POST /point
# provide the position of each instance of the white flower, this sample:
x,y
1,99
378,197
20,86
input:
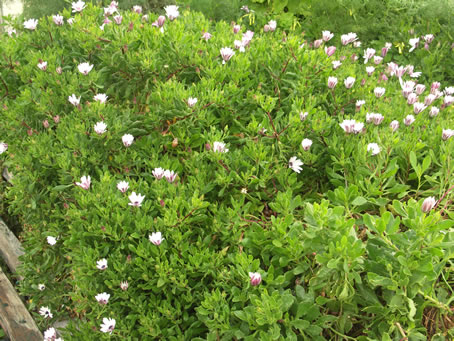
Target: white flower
x,y
192,101
127,139
51,240
332,81
58,19
207,36
50,334
3,147
108,325
170,175
172,12
303,116
348,38
351,126
374,118
368,54
418,107
373,148
100,128
102,98
136,199
219,147
118,19
41,287
101,264
356,44
360,103
123,186
295,164
85,182
137,9
413,43
336,64
306,144
327,35
448,100
158,173
156,238
11,31
449,90
102,298
432,113
78,6
124,285
447,133
70,21
42,66
45,312
226,54
377,60
420,89
349,81
31,24
379,92
429,38
74,100
370,70
85,68
272,24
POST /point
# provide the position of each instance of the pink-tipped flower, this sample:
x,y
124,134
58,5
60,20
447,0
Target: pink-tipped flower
x,y
447,133
408,120
330,50
373,148
428,38
3,147
348,38
272,25
295,164
420,89
102,298
158,173
42,66
70,21
332,82
50,334
370,70
448,100
46,124
102,98
351,126
318,43
433,111
127,139
418,107
192,101
137,9
349,81
377,60
58,19
449,90
306,144
45,312
118,19
100,128
101,264
412,98
124,285
172,12
56,119
123,186
327,35
85,68
170,175
207,36
136,199
236,28
379,92
255,277
107,21
108,325
434,87
374,118
31,24
368,54
226,54
85,182
78,6
385,49
219,147
357,44
156,238
428,204
394,125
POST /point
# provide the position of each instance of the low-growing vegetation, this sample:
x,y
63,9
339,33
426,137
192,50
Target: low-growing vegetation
x,y
178,178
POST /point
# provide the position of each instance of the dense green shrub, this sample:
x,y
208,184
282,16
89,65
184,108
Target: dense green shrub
x,y
343,247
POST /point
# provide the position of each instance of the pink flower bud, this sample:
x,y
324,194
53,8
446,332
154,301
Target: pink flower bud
x,y
318,43
59,70
161,20
266,28
428,204
255,277
236,29
330,50
394,125
46,124
56,119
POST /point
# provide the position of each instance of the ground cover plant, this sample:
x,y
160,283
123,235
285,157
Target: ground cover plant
x,y
179,178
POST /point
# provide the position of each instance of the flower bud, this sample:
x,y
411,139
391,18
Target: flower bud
x,y
428,204
46,124
175,142
255,277
59,70
56,119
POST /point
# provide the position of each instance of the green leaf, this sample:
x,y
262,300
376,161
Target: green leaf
x,y
359,201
